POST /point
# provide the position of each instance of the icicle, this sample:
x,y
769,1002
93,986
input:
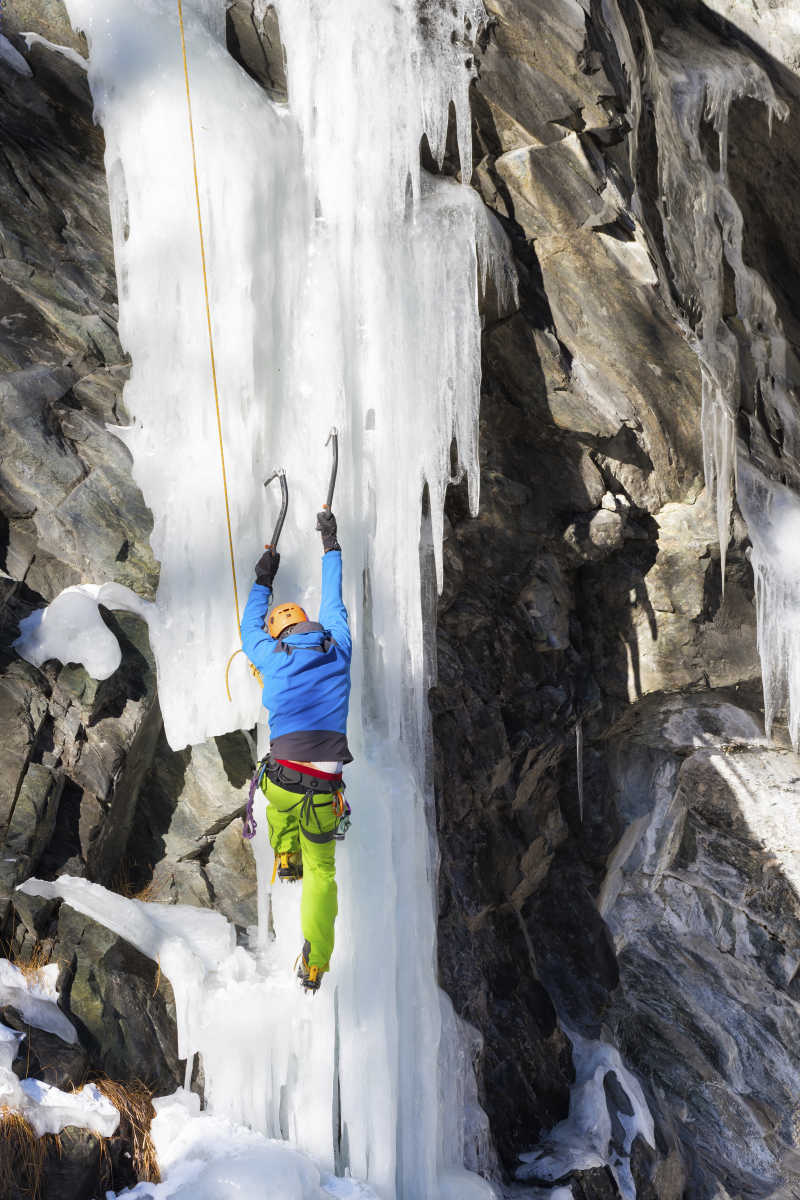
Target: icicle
x,y
703,231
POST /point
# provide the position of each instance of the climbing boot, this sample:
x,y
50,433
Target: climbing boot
x,y
289,866
310,977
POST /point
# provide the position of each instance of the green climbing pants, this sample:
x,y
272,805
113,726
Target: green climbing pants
x,y
287,834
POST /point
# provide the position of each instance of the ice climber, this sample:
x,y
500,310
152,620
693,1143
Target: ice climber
x,y
305,666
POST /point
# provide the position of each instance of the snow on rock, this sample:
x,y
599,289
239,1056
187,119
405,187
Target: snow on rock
x,y
9,1045
35,39
584,1139
49,1110
13,58
35,998
72,630
188,943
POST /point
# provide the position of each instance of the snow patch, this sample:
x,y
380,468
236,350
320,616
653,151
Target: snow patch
x,y
202,1157
72,630
35,998
35,39
49,1110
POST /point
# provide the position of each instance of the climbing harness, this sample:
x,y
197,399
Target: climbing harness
x,y
306,787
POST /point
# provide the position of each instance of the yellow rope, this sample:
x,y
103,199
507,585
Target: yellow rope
x,y
210,338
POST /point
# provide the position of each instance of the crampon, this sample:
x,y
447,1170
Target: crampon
x,y
288,867
310,977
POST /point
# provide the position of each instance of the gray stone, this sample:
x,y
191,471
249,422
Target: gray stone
x,y
546,600
205,805
45,1056
254,40
34,817
701,897
594,538
529,74
34,912
48,18
554,189
231,876
122,1006
22,712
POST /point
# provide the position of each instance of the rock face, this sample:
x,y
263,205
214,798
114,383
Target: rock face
x,y
615,832
618,856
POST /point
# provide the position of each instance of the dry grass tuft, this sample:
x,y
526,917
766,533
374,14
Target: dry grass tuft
x,y
29,964
148,892
134,1104
22,1155
126,881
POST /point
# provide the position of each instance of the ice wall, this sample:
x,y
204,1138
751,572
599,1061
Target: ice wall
x,y
344,289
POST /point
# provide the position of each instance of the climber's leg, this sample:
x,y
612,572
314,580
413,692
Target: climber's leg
x,y
320,898
283,817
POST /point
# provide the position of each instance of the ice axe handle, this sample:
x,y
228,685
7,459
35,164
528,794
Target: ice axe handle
x,y
333,437
276,533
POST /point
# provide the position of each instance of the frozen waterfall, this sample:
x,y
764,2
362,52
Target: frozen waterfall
x,y
329,254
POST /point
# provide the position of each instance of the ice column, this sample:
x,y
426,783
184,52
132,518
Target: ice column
x,y
255,212
344,289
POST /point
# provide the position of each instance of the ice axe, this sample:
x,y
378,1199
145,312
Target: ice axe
x,y
280,474
333,437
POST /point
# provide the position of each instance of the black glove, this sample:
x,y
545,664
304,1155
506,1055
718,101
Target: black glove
x,y
267,567
326,524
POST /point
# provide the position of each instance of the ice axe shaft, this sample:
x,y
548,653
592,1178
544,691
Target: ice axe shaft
x,y
333,437
276,533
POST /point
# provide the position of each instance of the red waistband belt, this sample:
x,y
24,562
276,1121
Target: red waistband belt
x,y
306,770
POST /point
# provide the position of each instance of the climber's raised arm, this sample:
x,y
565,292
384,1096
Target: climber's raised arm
x,y
256,642
332,612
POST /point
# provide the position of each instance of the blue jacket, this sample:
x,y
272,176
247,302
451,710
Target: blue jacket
x,y
307,690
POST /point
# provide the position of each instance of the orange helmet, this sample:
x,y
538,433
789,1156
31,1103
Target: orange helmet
x,y
284,615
